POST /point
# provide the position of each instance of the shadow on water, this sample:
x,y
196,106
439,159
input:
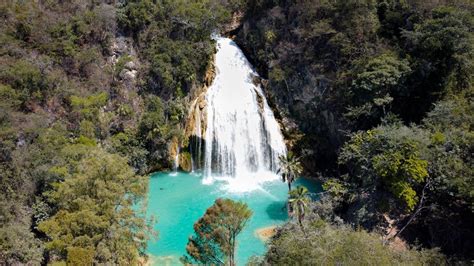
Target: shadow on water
x,y
314,186
277,210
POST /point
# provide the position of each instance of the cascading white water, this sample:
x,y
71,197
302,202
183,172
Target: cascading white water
x,y
176,161
242,138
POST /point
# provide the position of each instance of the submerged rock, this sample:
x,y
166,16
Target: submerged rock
x,y
266,233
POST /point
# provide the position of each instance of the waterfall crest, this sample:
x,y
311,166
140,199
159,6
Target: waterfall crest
x,y
242,139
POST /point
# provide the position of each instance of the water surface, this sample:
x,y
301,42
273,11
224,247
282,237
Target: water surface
x,y
179,199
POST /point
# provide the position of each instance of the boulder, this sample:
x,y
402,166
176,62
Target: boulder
x,y
131,65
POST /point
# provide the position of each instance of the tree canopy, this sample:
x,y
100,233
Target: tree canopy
x,y
215,238
98,218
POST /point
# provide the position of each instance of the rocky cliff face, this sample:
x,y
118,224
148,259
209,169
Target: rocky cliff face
x,y
196,119
298,90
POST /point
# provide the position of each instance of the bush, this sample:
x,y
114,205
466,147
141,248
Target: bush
x,y
326,244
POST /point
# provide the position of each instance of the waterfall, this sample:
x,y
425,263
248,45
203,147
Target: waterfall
x,y
176,160
242,138
198,135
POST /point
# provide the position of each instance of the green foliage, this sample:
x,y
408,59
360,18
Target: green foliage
x,y
87,129
25,78
393,17
335,187
399,169
398,159
452,139
125,111
55,79
18,245
343,66
214,241
97,218
374,86
133,16
333,67
325,244
80,256
120,65
10,98
447,41
175,39
290,168
175,64
83,140
91,101
389,156
93,26
298,203
159,124
88,107
128,145
153,126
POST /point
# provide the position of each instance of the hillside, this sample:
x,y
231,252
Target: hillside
x,y
375,98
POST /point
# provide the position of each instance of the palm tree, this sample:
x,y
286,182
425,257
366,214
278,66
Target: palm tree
x,y
298,203
290,168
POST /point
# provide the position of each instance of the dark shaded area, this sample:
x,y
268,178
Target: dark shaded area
x,y
376,98
277,210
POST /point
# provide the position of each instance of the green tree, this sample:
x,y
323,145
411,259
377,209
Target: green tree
x,y
290,168
445,41
88,107
388,157
133,16
325,244
298,203
214,241
97,218
374,87
451,123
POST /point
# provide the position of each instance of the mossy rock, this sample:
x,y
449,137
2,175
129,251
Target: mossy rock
x,y
185,161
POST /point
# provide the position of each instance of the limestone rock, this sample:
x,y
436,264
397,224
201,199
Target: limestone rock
x,y
185,161
173,148
266,233
128,75
235,22
130,65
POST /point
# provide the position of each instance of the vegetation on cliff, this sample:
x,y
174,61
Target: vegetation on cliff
x,y
91,92
324,244
379,91
382,91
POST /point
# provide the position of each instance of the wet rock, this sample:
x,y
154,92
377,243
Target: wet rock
x,y
173,148
260,102
185,161
235,23
256,80
202,103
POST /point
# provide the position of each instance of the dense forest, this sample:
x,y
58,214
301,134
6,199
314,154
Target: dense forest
x,y
375,98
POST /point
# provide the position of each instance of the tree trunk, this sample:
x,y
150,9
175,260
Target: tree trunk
x,y
290,179
300,221
232,251
300,218
413,216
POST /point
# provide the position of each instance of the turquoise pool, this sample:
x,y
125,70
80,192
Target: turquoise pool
x,y
177,200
